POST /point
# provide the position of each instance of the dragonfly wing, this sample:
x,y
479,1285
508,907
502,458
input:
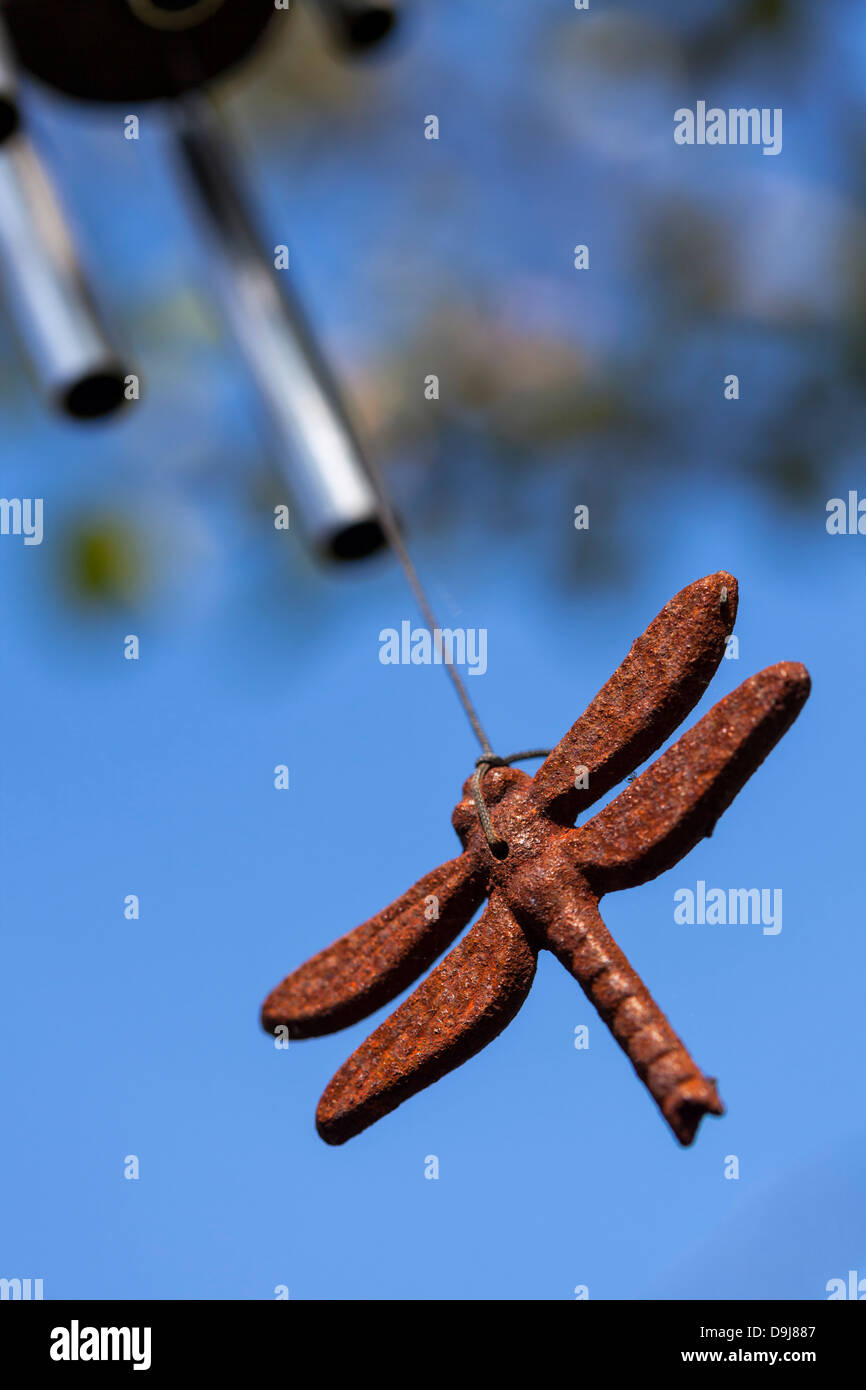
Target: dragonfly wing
x,y
663,814
645,700
379,959
466,1001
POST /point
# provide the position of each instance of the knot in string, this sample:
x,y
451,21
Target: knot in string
x,y
498,847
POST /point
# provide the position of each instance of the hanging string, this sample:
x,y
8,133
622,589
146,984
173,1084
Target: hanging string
x,y
394,537
488,759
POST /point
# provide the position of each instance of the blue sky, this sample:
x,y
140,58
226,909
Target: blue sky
x,y
156,778
141,1037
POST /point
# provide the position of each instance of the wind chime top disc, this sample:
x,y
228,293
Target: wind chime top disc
x,y
132,50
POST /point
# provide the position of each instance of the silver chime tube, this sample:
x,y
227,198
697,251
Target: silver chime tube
x,y
319,454
9,115
46,293
359,24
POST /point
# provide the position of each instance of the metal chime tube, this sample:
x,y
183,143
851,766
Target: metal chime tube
x,y
43,283
359,23
46,293
320,456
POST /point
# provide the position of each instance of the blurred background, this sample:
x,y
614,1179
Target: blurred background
x,y
558,387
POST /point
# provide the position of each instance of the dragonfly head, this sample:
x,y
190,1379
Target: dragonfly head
x,y
497,785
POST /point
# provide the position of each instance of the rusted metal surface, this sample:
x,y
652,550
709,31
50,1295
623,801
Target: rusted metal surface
x,y
459,1008
544,894
378,960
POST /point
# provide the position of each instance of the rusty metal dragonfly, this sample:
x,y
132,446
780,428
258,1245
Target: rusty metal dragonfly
x,y
543,882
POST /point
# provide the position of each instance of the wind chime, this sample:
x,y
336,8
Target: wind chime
x,y
166,52
542,879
